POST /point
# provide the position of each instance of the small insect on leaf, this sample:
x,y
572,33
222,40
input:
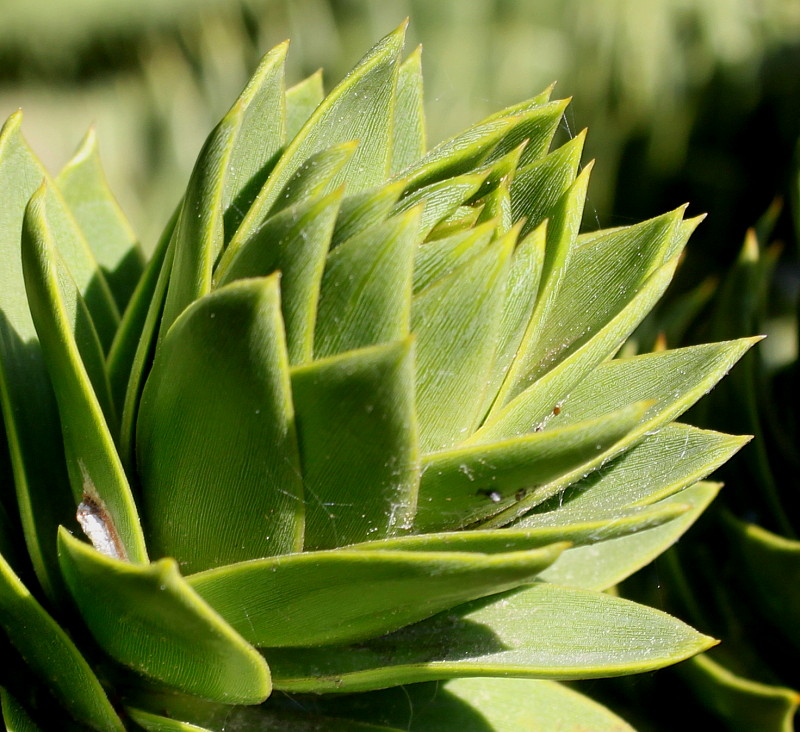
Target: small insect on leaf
x,y
492,495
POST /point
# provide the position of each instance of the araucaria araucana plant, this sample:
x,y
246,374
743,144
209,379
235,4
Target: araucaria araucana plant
x,y
357,424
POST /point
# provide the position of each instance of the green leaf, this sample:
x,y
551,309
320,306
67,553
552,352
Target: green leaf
x,y
542,631
744,705
606,564
295,243
130,334
83,184
216,448
301,101
259,117
312,178
145,352
229,170
438,259
533,407
157,723
15,717
463,485
276,715
674,380
561,234
342,596
462,220
771,566
148,619
521,291
456,322
661,465
488,140
365,295
359,108
479,705
604,274
360,403
408,129
30,412
536,122
51,654
537,187
441,199
363,211
536,530
73,355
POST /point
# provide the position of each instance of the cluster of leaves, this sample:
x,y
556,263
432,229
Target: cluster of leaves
x,y
736,575
362,408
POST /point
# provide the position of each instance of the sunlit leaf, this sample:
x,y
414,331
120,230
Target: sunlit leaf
x,y
542,631
150,620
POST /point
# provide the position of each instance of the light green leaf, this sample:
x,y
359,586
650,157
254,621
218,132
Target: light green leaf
x,y
365,210
437,259
359,108
463,485
661,465
148,619
479,705
294,243
533,407
456,323
604,274
73,356
108,232
216,448
408,129
496,206
674,380
157,723
537,187
521,291
130,334
227,175
358,403
51,655
145,352
301,101
365,295
259,136
606,564
311,179
460,221
15,717
30,412
561,234
489,140
539,529
441,199
542,631
323,598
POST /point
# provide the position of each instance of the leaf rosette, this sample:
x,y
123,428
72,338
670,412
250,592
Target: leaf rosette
x,y
360,424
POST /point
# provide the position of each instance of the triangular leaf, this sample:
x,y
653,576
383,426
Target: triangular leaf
x,y
170,634
357,403
216,449
322,598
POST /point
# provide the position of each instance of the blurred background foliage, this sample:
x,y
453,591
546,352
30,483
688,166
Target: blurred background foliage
x,y
686,100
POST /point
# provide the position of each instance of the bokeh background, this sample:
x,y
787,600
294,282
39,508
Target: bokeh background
x,y
686,101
